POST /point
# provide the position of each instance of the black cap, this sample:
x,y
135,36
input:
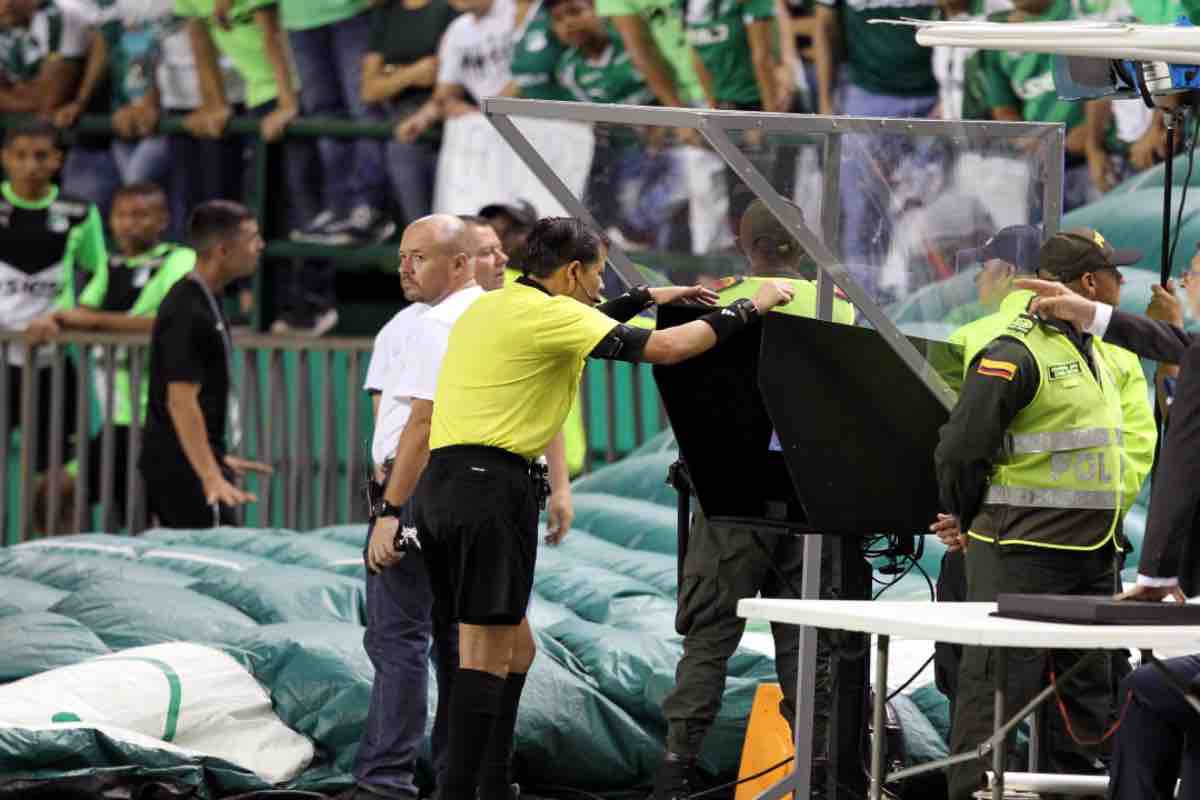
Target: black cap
x,y
1017,244
1068,256
521,211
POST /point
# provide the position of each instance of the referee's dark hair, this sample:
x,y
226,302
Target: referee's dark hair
x,y
555,241
215,221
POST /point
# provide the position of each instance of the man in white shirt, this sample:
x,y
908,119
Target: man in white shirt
x,y
474,62
444,260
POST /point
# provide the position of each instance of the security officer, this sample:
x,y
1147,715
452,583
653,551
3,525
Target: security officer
x,y
774,254
510,373
1010,254
723,565
1030,464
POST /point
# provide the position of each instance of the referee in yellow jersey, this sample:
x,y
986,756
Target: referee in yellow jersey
x,y
510,373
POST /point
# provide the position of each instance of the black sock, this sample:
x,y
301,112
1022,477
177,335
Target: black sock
x,y
496,777
475,703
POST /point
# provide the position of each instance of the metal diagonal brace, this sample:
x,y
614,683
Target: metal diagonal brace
x,y
621,263
999,736
790,217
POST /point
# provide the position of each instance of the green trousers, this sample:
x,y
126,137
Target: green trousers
x,y
1087,695
723,566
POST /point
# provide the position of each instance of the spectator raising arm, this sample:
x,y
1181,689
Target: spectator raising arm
x,y
94,70
759,34
209,120
826,55
287,106
449,101
382,81
789,59
647,58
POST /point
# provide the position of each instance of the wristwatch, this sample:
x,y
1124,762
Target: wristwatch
x,y
385,509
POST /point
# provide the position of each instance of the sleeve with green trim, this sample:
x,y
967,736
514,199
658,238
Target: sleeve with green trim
x,y
997,86
86,250
178,264
93,294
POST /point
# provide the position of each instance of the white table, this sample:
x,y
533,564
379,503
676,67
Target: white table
x,y
956,623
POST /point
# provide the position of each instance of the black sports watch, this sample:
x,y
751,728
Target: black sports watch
x,y
385,509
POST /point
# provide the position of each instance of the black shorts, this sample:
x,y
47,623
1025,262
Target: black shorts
x,y
45,382
477,519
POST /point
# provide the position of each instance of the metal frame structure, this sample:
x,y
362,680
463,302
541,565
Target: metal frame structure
x,y
715,126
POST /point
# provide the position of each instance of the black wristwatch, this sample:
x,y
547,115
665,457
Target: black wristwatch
x,y
385,509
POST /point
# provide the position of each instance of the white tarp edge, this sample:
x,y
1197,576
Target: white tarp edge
x,y
193,697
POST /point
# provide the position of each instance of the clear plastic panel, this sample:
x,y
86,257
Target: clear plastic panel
x,y
901,207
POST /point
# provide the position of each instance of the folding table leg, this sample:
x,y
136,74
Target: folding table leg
x,y
877,716
1000,748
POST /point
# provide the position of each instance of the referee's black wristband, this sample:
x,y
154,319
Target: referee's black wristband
x,y
729,320
628,305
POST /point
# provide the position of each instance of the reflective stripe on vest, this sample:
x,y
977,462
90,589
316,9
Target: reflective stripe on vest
x,y
1052,498
1059,441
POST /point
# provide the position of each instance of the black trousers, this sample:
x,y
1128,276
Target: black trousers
x,y
175,495
1159,737
1087,695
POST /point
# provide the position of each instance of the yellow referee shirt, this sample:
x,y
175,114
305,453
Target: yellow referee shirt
x,y
512,369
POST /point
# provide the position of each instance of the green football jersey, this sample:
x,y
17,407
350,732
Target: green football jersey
x,y
608,78
886,59
535,57
717,31
665,22
137,286
1025,81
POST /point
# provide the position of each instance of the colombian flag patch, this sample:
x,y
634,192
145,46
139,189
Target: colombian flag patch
x,y
997,369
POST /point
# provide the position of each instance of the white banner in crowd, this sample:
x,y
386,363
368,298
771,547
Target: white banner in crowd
x,y
477,167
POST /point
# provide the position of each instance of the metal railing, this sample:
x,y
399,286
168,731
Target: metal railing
x,y
302,411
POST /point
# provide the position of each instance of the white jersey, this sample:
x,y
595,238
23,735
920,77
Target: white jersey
x,y
476,52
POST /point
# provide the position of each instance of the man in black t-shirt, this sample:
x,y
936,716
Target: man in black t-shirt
x,y
398,74
188,472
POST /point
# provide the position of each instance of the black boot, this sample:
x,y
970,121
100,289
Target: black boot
x,y
675,779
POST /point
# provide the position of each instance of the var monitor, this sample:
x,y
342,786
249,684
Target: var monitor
x,y
808,426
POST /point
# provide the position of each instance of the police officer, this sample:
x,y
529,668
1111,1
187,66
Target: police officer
x,y
1158,729
723,565
1030,464
1012,253
511,371
773,254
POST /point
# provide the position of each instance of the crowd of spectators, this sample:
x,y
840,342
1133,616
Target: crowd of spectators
x,y
417,63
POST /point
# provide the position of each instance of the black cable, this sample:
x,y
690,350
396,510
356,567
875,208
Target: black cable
x,y
905,685
722,787
1187,180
